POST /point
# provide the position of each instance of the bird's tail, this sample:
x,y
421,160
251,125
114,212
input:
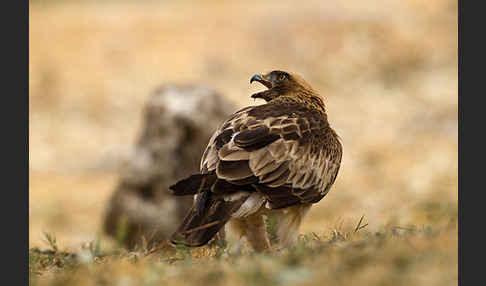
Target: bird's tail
x,y
208,214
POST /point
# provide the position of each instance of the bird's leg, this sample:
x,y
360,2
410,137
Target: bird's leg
x,y
220,238
288,223
256,233
254,229
237,229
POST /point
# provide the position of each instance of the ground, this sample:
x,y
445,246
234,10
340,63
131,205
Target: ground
x,y
389,76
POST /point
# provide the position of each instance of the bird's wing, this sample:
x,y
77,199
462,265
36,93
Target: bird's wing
x,y
287,152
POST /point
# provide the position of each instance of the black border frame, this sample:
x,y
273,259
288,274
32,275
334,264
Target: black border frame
x,y
16,143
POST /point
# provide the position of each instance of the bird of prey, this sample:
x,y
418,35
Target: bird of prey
x,y
276,158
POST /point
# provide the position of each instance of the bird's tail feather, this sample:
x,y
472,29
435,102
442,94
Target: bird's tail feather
x,y
207,215
193,184
204,220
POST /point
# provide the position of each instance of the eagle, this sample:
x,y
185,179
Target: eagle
x,y
277,158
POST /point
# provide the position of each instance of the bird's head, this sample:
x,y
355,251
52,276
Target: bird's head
x,y
287,85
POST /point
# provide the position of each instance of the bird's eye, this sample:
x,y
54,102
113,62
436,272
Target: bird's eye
x,y
281,77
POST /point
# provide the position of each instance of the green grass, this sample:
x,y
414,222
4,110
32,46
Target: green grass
x,y
412,255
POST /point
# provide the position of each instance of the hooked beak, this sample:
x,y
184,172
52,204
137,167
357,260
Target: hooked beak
x,y
261,79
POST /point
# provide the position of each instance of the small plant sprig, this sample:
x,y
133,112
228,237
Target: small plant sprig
x,y
51,241
359,226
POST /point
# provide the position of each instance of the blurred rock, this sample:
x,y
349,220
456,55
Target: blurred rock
x,y
179,120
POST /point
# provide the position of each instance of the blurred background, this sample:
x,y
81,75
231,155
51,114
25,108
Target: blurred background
x,y
388,71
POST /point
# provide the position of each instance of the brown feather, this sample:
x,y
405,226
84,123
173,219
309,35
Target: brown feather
x,y
284,150
270,176
233,170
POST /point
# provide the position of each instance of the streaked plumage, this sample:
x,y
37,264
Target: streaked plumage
x,y
279,157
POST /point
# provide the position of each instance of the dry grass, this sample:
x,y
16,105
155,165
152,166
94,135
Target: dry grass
x,y
388,71
393,256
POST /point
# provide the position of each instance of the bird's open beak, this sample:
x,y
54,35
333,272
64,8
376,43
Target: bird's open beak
x,y
261,79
